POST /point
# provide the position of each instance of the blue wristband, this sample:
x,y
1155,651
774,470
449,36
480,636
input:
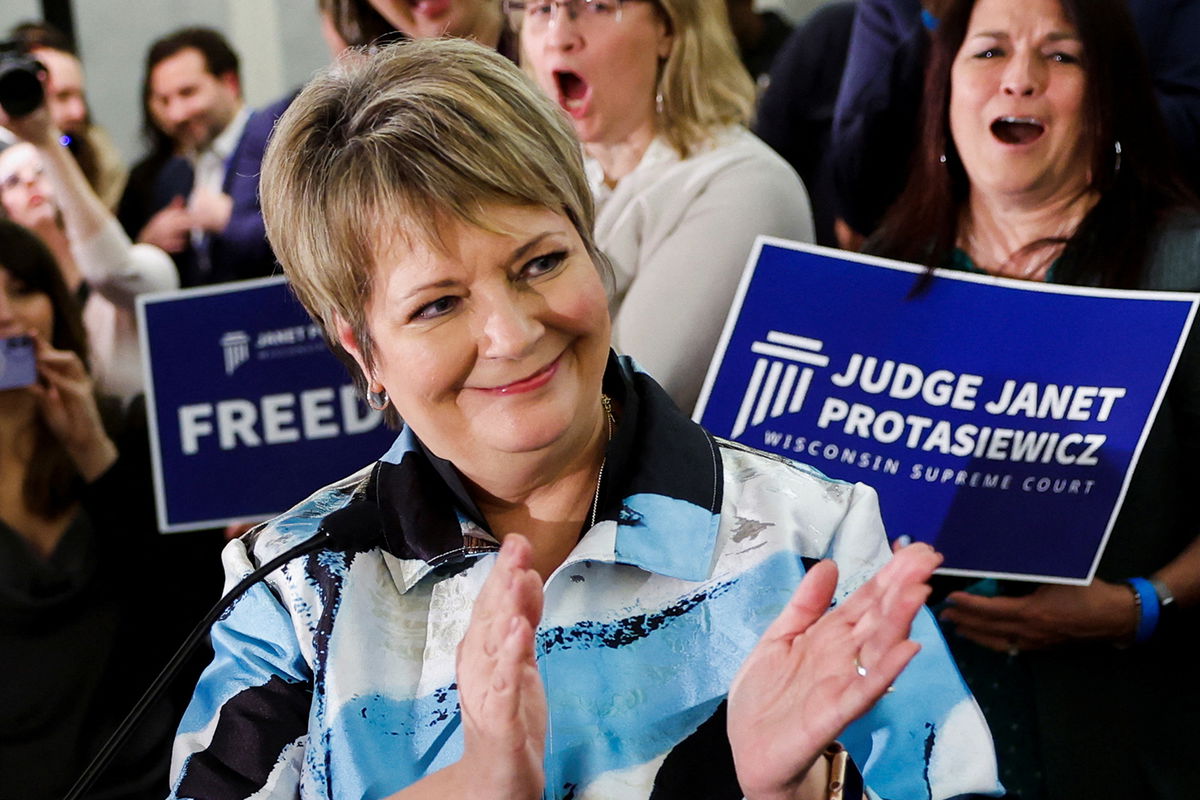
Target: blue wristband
x,y
1148,608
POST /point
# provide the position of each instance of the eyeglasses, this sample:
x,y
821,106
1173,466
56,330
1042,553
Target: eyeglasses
x,y
25,174
537,17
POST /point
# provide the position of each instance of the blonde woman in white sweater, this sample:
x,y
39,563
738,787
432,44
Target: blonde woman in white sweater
x,y
660,100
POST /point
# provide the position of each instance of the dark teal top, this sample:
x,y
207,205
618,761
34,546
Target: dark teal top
x,y
962,262
1091,721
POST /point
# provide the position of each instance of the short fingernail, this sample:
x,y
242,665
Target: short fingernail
x,y
903,540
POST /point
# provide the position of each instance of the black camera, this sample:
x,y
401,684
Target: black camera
x,y
20,81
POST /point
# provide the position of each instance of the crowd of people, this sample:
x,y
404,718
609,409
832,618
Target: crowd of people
x,y
522,225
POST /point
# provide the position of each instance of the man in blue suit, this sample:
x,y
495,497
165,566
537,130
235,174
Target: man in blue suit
x,y
206,206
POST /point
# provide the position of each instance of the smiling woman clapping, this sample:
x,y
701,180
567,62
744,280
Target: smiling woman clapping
x,y
569,589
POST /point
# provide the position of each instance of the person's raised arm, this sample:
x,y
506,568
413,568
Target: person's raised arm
x,y
67,403
110,263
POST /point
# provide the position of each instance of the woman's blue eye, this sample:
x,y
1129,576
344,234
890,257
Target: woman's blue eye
x,y
443,305
543,264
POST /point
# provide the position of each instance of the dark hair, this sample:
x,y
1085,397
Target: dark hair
x,y
52,481
1111,244
32,35
219,57
160,147
358,23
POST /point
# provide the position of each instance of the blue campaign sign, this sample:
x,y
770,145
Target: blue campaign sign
x,y
999,420
249,411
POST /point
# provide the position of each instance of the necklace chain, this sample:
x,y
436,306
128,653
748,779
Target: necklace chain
x,y
606,404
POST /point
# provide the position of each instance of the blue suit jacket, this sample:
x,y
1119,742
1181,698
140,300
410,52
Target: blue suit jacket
x,y
241,251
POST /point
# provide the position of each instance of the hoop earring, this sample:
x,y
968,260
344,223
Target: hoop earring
x,y
378,401
1117,150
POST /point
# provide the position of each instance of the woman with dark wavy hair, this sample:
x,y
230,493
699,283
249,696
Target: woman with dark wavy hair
x,y
1043,157
75,630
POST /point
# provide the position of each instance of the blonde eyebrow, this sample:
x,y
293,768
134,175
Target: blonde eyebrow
x,y
524,249
514,257
444,283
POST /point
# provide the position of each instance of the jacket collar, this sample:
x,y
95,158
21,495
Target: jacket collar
x,y
662,488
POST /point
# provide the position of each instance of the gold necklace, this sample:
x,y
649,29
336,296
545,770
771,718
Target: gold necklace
x,y
606,404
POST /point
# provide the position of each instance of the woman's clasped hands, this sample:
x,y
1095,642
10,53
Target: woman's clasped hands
x,y
809,676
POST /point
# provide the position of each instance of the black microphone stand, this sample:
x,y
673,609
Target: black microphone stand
x,y
323,539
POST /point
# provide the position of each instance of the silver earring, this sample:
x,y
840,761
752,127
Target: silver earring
x,y
1117,150
378,400
942,158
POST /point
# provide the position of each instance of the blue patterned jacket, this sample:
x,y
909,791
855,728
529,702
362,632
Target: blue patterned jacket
x,y
334,678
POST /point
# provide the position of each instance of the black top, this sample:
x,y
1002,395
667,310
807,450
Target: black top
x,y
85,631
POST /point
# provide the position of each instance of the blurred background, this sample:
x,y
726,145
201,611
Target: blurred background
x,y
278,40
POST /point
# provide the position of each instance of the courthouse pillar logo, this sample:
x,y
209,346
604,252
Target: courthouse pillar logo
x,y
777,385
236,345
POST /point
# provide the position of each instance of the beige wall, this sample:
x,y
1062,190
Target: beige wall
x,y
14,11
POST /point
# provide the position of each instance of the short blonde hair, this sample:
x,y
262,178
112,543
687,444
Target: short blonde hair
x,y
704,85
386,146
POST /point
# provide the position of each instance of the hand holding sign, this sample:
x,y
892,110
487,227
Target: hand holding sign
x,y
1051,615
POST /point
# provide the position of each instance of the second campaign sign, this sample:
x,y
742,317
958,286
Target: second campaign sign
x,y
249,410
999,420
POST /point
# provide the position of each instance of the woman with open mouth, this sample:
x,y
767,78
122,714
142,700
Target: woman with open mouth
x,y
1044,158
660,101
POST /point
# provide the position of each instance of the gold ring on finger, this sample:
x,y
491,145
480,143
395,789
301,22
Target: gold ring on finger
x,y
859,668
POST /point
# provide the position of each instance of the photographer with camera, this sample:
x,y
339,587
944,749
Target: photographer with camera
x,y
44,189
35,47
